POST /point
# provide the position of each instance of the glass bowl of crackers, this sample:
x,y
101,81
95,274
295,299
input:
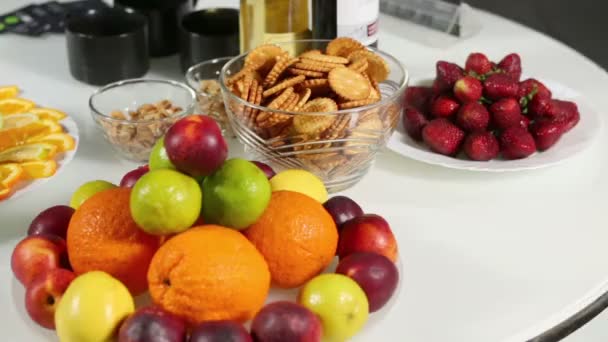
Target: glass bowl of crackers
x,y
133,114
324,106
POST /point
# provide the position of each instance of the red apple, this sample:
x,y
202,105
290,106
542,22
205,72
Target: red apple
x,y
286,321
131,177
375,273
268,171
195,145
52,221
37,254
342,209
219,331
152,324
367,233
44,293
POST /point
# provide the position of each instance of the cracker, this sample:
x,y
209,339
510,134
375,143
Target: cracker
x,y
246,85
357,103
315,124
349,84
343,46
303,98
286,83
329,163
307,73
282,63
291,103
307,64
263,57
276,103
359,65
318,86
378,70
370,128
317,57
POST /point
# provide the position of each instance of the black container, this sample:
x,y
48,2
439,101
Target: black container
x,y
163,22
107,45
208,34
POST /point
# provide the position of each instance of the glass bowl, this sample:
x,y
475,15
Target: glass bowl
x,y
204,79
342,154
133,139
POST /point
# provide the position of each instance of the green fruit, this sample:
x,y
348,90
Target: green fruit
x,y
236,195
159,158
339,302
85,191
165,202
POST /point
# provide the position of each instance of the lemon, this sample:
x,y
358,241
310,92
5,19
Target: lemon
x,y
300,181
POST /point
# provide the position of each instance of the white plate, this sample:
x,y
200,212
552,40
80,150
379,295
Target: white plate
x,y
570,144
62,160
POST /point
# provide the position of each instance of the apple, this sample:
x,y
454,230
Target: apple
x,y
152,324
158,156
339,302
43,294
219,331
195,145
268,171
286,321
52,221
37,254
131,177
342,209
367,233
375,273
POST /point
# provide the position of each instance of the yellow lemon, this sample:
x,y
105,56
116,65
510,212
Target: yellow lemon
x,y
300,181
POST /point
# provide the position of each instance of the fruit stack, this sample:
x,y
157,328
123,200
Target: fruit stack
x,y
485,110
207,238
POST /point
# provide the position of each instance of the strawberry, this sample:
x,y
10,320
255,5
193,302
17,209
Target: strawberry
x,y
473,117
546,133
524,122
442,136
517,143
481,146
447,74
564,112
531,87
511,65
506,113
444,106
539,105
418,97
468,89
413,122
499,86
478,63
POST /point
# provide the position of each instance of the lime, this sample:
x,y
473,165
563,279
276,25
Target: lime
x,y
165,201
236,195
88,189
300,181
159,158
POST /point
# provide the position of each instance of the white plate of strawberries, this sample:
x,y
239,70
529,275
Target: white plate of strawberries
x,y
486,117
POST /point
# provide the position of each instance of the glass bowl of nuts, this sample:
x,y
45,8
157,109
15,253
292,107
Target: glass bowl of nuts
x,y
324,106
204,79
133,114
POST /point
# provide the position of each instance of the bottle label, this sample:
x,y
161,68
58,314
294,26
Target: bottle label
x,y
358,19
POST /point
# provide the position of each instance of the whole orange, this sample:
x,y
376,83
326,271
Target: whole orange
x,y
297,237
209,273
102,236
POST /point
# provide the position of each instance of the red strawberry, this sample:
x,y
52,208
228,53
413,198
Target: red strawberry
x,y
499,86
517,143
418,97
468,89
564,112
447,74
511,65
444,106
546,133
532,86
481,146
524,122
442,136
413,122
478,63
539,105
506,113
472,117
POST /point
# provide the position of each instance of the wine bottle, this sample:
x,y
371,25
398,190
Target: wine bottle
x,y
273,21
357,19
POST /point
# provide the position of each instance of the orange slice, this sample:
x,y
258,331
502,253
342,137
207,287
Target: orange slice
x,y
49,113
39,169
63,141
15,106
5,193
31,152
20,135
10,174
8,92
19,120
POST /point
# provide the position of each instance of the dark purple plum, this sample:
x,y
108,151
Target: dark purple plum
x,y
52,221
152,324
286,321
342,209
131,177
220,331
268,171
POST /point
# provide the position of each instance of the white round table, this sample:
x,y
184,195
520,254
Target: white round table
x,y
486,257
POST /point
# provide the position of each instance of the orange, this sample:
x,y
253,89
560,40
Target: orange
x,y
7,92
297,237
10,174
209,273
20,135
15,106
48,113
102,236
63,141
39,168
5,193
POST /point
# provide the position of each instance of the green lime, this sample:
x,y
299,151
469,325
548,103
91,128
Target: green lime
x,y
236,195
165,201
85,191
159,158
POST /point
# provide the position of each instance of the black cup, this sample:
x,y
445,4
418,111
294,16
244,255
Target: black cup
x,y
107,45
163,21
208,34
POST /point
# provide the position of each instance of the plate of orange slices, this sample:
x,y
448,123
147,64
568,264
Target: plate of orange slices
x,y
35,143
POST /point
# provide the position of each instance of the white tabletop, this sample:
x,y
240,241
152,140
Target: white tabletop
x,y
487,257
